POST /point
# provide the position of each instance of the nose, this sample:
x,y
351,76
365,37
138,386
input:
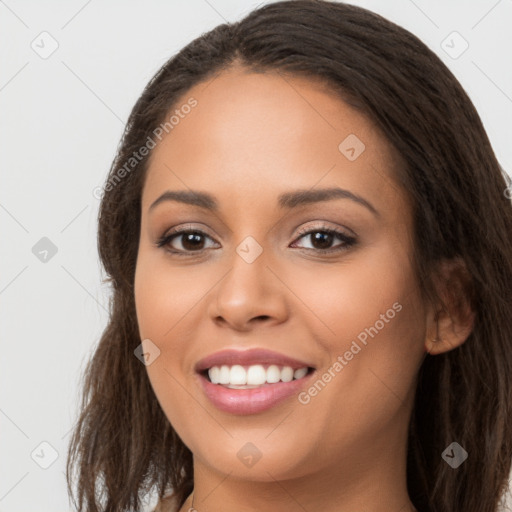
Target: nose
x,y
249,294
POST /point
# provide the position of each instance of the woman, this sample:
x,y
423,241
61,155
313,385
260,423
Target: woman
x,y
308,237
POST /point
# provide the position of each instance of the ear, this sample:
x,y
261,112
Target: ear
x,y
450,322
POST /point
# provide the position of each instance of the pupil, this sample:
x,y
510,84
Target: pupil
x,y
193,240
323,238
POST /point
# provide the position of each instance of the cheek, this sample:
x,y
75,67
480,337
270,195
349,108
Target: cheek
x,y
374,320
379,324
164,297
349,297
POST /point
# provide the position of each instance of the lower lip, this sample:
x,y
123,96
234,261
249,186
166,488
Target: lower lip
x,y
251,401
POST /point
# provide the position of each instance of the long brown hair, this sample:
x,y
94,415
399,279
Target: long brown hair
x,y
123,444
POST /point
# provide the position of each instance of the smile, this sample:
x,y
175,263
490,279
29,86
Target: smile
x,y
251,381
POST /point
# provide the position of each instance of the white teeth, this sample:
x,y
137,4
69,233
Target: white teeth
x,y
214,374
273,374
301,372
224,374
255,375
287,374
237,375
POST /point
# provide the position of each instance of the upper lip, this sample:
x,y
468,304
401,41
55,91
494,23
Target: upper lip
x,y
248,357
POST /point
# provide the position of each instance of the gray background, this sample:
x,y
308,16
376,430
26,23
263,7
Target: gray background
x,y
62,117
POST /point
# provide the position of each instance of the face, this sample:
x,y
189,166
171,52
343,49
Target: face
x,y
296,265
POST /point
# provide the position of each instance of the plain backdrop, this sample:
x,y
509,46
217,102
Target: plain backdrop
x,y
70,74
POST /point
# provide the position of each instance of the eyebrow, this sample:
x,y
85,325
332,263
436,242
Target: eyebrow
x,y
287,200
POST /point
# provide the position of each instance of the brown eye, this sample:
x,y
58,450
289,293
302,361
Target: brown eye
x,y
322,239
184,241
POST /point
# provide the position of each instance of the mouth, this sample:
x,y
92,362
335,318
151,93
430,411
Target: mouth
x,y
251,381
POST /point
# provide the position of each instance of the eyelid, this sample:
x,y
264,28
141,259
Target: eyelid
x,y
188,227
324,225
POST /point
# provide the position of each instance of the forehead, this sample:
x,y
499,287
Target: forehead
x,y
253,133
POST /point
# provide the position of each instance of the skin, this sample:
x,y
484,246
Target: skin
x,y
250,138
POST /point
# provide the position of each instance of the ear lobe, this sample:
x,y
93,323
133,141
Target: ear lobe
x,y
455,316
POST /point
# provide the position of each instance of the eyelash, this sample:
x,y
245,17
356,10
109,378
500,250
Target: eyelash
x,y
348,241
